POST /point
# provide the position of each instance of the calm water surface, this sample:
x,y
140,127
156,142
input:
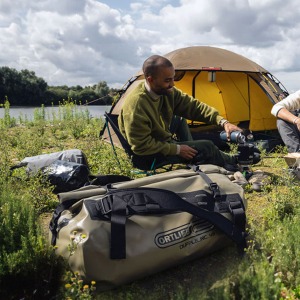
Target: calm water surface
x,y
28,112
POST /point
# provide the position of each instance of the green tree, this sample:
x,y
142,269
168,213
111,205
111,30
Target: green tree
x,y
25,88
21,88
103,92
87,95
56,94
9,84
33,88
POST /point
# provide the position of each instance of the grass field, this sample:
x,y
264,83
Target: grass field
x,y
30,269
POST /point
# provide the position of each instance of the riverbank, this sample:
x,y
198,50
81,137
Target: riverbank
x,y
22,113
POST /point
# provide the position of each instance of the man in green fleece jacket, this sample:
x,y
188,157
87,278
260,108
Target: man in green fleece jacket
x,y
147,113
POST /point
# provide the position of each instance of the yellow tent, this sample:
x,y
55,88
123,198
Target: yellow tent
x,y
242,91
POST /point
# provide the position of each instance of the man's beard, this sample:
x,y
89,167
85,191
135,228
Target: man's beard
x,y
165,92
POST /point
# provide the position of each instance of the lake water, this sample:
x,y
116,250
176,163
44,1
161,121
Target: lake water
x,y
28,112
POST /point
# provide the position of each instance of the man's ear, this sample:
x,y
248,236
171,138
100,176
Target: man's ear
x,y
149,79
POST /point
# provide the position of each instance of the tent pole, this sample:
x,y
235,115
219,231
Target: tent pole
x,y
194,88
248,83
194,84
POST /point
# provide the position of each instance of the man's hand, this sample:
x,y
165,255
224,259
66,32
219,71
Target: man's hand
x,y
228,127
296,121
187,152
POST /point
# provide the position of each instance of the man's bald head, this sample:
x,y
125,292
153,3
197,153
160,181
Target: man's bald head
x,y
152,65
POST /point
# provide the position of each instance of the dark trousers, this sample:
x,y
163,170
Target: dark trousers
x,y
208,153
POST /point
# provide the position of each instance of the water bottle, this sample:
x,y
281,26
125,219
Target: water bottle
x,y
235,137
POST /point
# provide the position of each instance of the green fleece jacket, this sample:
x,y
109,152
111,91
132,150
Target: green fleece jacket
x,y
145,122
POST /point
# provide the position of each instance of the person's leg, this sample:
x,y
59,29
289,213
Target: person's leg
x,y
208,153
290,135
180,128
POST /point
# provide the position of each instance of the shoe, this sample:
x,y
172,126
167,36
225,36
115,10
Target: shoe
x,y
259,179
240,179
257,186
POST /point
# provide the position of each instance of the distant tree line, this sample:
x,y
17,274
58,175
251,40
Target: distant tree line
x,y
24,88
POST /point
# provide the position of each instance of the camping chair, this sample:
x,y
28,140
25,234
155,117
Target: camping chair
x,y
111,122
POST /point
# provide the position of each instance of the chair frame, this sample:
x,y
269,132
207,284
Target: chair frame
x,y
127,148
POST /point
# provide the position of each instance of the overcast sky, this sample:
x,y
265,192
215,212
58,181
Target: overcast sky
x,y
82,42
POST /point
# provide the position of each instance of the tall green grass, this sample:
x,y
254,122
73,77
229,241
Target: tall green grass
x,y
28,266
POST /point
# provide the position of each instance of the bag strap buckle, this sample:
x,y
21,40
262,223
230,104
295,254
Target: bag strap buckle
x,y
105,205
215,189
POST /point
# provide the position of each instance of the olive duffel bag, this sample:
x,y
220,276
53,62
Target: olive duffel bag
x,y
124,231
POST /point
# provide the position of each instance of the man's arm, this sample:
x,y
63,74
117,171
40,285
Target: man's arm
x,y
285,115
196,110
290,103
283,109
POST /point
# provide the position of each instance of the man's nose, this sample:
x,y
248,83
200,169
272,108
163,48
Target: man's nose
x,y
171,84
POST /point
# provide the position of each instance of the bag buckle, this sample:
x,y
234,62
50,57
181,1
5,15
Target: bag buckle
x,y
215,189
105,205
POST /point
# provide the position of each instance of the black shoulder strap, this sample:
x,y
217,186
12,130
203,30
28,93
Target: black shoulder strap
x,y
121,203
236,206
213,186
56,215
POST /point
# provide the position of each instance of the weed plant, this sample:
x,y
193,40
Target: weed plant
x,y
27,263
29,269
7,121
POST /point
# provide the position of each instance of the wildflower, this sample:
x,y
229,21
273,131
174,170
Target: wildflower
x,y
85,287
284,293
277,280
67,285
93,282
